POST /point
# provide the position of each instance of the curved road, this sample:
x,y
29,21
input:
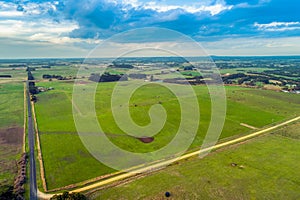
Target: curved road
x,y
31,142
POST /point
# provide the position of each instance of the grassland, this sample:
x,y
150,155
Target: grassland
x,y
263,168
55,70
17,74
243,70
74,164
11,131
11,107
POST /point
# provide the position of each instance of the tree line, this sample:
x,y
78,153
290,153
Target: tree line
x,y
107,77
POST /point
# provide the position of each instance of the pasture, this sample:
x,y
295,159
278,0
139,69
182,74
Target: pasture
x,y
67,161
262,168
17,74
11,132
12,104
65,71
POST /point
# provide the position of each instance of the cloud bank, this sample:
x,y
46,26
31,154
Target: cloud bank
x,y
85,23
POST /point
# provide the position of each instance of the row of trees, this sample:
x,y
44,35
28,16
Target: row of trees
x,y
107,77
241,78
47,76
32,88
121,65
29,75
5,76
69,196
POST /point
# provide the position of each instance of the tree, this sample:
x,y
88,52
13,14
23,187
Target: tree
x,y
151,78
107,77
32,88
68,196
30,76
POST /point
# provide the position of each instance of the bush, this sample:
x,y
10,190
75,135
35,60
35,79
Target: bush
x,y
68,196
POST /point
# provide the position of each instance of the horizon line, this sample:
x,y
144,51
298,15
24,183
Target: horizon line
x,y
40,58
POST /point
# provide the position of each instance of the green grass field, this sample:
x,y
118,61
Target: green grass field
x,y
266,168
12,104
66,160
243,70
17,74
64,71
74,164
11,131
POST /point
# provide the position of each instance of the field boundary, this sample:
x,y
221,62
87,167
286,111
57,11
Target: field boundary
x,y
25,120
156,166
40,157
85,183
248,126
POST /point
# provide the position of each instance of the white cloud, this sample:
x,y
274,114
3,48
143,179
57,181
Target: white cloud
x,y
31,22
11,14
39,30
216,9
18,27
32,49
132,3
278,26
212,9
16,10
9,10
6,5
171,48
61,40
254,46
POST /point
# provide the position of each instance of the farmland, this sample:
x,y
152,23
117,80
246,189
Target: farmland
x,y
263,168
143,99
17,75
57,129
11,104
67,162
11,132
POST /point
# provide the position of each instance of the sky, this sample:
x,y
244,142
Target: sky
x,y
72,28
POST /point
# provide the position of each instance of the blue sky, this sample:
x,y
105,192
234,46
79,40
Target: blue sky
x,y
71,28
